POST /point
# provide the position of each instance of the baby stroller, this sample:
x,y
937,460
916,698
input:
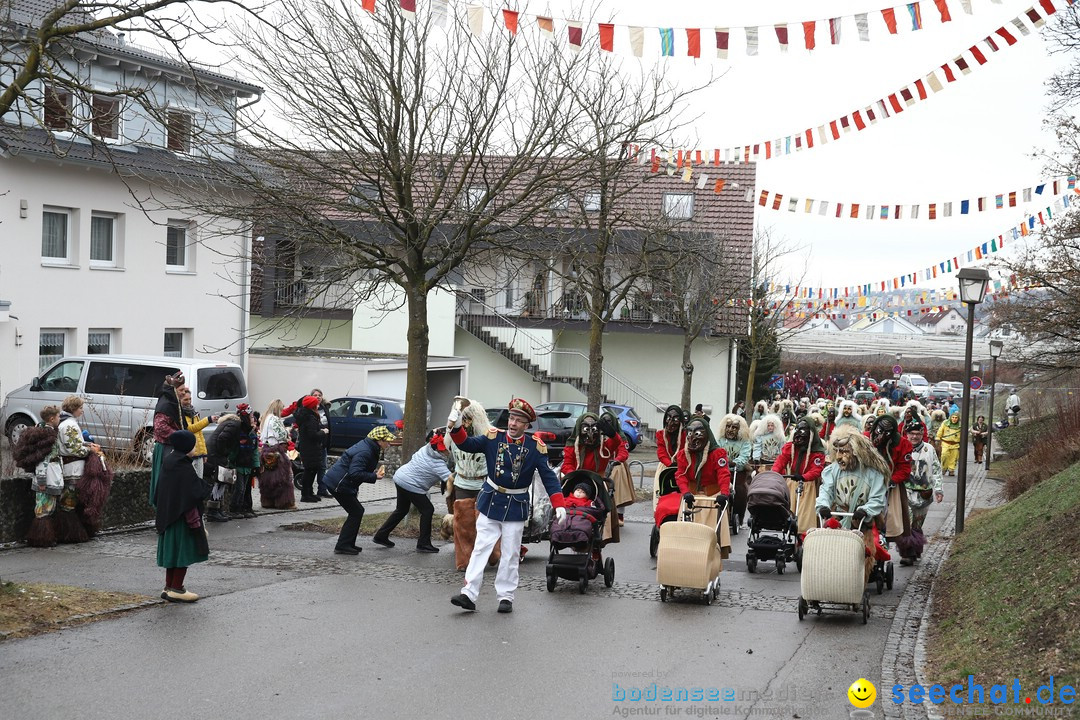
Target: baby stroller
x,y
835,561
665,485
774,531
689,555
576,543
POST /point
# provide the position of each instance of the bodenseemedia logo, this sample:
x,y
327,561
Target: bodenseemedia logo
x,y
973,693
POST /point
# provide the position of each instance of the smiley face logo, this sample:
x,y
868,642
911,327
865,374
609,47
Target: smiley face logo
x,y
862,693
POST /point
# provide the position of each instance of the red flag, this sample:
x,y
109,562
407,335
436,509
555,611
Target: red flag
x,y
890,19
368,5
857,117
768,150
776,201
921,88
948,72
697,157
1048,6
933,211
834,30
1006,35
855,210
809,138
607,36
944,10
762,200
510,19
722,40
839,209
655,162
716,157
895,102
990,41
781,35
693,42
719,186
835,130
977,54
573,34
409,6
808,33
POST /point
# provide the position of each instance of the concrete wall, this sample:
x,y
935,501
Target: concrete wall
x,y
128,504
382,325
137,299
494,380
303,332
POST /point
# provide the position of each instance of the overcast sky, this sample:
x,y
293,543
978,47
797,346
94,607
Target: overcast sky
x,y
974,138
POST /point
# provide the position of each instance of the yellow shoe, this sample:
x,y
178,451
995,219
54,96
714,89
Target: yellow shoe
x,y
181,595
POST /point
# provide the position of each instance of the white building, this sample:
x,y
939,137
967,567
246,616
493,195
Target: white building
x,y
84,268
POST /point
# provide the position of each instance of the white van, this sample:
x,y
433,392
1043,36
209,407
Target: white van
x,y
120,392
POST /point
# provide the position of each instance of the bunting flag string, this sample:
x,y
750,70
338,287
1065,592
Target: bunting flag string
x,y
688,39
908,281
883,108
917,211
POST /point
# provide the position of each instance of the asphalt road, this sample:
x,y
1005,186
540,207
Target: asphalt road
x,y
287,629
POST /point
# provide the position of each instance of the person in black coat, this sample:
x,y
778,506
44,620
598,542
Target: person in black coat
x,y
356,466
310,445
178,501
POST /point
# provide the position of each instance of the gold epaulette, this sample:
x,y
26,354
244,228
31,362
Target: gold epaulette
x,y
492,433
540,446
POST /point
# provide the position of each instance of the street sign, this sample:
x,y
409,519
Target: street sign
x,y
896,371
976,382
776,382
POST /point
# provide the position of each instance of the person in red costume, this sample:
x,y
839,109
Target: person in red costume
x,y
594,445
896,450
671,438
803,459
702,469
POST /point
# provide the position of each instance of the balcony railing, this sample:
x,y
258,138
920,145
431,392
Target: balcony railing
x,y
300,293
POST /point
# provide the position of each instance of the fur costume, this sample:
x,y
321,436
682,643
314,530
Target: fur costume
x,y
766,445
35,444
460,523
276,488
864,451
93,488
855,420
761,409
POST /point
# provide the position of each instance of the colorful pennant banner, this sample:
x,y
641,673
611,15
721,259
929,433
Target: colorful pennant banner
x,y
688,41
945,267
858,120
896,211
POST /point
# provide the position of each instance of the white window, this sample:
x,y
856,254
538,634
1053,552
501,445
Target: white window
x,y
474,195
55,229
105,117
561,202
174,343
177,251
51,344
364,194
679,206
103,240
592,201
57,109
178,131
99,342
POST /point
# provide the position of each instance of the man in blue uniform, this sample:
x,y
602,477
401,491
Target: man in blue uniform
x,y
512,459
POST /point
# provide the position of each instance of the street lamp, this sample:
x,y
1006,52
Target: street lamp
x,y
995,352
973,282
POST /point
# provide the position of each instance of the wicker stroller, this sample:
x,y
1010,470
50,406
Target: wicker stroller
x,y
689,553
834,564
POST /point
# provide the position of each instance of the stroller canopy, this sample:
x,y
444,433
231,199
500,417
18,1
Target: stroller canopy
x,y
768,489
601,496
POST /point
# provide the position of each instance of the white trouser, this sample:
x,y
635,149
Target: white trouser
x,y
487,534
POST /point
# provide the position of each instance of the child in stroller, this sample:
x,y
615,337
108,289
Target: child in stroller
x,y
774,531
576,542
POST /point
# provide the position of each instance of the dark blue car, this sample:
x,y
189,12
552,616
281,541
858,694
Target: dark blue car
x,y
352,418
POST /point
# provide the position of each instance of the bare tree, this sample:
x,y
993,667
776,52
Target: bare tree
x,y
699,293
614,240
769,308
1046,313
44,40
410,147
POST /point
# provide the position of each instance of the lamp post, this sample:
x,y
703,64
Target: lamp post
x,y
973,283
995,352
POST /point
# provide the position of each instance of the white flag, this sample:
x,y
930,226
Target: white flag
x,y
637,41
476,18
438,12
751,40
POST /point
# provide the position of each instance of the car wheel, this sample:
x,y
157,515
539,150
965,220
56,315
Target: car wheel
x,y
144,446
15,428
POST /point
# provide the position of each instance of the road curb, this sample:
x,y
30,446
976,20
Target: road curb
x,y
904,657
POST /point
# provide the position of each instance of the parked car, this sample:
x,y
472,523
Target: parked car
x,y
914,384
956,389
628,419
120,392
353,417
938,394
863,397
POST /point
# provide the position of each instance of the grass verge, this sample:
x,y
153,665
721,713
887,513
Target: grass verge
x,y
1006,601
36,608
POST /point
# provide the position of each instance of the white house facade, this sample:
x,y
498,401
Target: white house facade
x,y
85,268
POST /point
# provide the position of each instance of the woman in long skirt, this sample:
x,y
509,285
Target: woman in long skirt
x,y
179,501
276,478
